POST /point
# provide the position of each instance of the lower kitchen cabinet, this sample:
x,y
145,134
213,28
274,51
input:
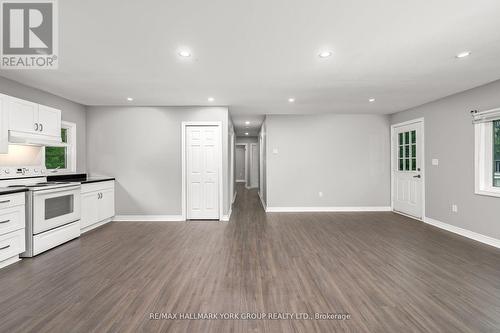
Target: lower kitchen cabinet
x,y
12,227
98,204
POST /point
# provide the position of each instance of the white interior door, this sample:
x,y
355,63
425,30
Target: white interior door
x,y
240,163
254,165
407,169
202,170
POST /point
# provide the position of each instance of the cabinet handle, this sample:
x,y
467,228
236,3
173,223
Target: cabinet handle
x,y
36,126
6,221
5,201
5,247
41,127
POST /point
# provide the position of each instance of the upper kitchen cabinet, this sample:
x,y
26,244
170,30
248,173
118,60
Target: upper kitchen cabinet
x,y
23,115
33,121
4,128
49,119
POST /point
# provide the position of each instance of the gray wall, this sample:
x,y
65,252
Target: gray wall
x,y
449,137
347,157
141,147
71,111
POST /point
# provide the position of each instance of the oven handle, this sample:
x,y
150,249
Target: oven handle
x,y
5,247
57,190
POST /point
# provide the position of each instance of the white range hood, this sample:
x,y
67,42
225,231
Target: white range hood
x,y
21,138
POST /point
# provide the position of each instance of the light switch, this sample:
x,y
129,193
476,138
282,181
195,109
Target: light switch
x,y
435,161
275,151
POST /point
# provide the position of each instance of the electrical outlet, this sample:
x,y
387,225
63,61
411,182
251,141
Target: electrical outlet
x,y
435,161
275,151
320,194
454,208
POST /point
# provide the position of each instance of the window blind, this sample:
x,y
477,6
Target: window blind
x,y
485,116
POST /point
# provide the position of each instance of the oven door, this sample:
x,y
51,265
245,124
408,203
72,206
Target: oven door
x,y
55,207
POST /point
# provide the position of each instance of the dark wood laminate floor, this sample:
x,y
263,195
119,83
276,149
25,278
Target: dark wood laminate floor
x,y
390,273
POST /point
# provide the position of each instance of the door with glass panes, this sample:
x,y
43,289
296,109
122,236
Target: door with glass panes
x,y
407,192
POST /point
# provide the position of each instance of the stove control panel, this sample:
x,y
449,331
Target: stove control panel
x,y
20,172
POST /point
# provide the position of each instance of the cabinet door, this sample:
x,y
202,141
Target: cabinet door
x,y
107,204
23,115
90,209
49,120
4,126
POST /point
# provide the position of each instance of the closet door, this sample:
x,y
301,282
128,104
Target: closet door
x,y
202,170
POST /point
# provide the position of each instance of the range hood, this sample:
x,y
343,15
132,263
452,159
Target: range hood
x,y
20,138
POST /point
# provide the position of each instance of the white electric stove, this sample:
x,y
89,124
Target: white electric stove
x,y
52,208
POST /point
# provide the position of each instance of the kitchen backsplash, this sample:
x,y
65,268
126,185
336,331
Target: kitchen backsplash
x,y
20,155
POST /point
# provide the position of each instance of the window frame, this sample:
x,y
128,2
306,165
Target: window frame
x,y
484,160
70,149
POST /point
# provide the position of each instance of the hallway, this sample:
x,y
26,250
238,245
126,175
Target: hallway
x,y
389,273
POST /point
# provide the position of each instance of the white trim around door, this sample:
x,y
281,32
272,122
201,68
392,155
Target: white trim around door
x,y
422,164
184,125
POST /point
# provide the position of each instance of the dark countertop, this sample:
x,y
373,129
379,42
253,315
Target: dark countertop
x,y
79,178
11,190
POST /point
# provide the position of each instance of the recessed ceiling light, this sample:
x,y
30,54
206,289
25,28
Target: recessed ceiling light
x,y
291,100
247,122
185,53
211,99
130,99
324,54
246,133
371,100
463,54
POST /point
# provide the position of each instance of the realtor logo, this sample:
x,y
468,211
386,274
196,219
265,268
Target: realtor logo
x,y
29,34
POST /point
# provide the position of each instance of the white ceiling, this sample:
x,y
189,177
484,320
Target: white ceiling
x,y
241,127
254,55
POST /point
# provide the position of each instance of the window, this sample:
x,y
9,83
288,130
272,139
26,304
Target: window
x,y
63,158
487,154
407,142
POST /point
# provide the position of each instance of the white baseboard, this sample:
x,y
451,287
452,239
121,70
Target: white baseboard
x,y
148,218
241,181
464,232
327,209
93,226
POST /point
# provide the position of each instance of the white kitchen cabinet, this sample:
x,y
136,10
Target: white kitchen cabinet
x,y
23,115
49,120
4,127
98,204
31,118
106,204
90,208
12,228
